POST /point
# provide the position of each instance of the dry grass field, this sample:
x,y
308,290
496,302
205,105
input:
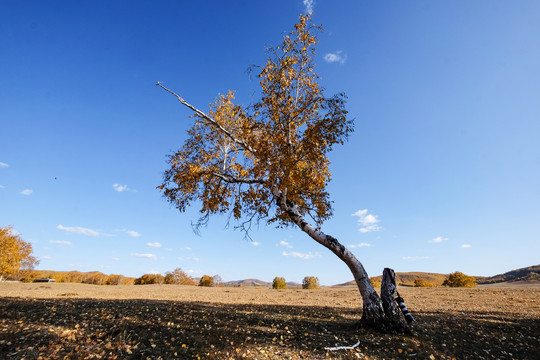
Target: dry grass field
x,y
77,321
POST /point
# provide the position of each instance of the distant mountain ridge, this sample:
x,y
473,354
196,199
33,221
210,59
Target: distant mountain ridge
x,y
531,273
528,274
257,282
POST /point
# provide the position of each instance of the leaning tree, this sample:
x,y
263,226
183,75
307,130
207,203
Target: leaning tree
x,y
268,161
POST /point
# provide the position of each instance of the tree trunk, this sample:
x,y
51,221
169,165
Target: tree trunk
x,y
388,297
373,314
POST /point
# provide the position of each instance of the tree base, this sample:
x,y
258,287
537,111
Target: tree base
x,y
384,325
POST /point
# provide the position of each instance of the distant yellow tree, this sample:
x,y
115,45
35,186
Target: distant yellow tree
x,y
179,277
423,283
279,283
376,282
207,281
310,282
15,253
459,279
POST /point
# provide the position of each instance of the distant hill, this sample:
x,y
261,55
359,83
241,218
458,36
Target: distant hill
x,y
257,282
531,273
248,282
528,274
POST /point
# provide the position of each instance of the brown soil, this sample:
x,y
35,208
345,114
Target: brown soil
x,y
76,321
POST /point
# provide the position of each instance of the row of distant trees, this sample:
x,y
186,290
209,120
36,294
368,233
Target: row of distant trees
x,y
309,282
455,279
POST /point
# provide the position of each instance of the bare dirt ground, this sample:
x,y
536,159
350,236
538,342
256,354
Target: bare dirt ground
x,y
77,321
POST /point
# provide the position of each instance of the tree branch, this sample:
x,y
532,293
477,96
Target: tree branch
x,y
234,180
210,120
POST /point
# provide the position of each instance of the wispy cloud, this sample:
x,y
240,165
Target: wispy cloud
x,y
286,244
308,4
361,245
122,188
2,186
26,192
367,222
196,259
46,257
115,259
154,244
147,256
187,248
466,246
60,242
414,258
78,230
3,165
304,256
337,57
255,243
438,239
129,232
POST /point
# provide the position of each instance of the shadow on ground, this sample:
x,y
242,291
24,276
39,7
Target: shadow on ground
x,y
146,329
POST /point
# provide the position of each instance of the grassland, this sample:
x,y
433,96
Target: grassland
x,y
77,321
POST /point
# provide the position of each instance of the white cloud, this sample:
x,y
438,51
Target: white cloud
x,y
413,258
60,242
353,246
3,165
79,230
338,57
304,256
154,244
286,244
309,6
115,259
196,259
148,256
466,246
255,243
367,222
438,239
187,248
2,186
133,233
46,257
26,192
122,188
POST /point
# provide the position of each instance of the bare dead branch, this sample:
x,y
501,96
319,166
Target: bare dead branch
x,y
210,120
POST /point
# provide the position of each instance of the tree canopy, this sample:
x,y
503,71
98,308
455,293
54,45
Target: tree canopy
x,y
15,253
252,160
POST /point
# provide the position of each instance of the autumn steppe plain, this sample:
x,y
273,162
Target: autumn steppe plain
x,y
78,321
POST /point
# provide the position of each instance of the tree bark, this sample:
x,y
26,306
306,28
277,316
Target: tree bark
x,y
388,297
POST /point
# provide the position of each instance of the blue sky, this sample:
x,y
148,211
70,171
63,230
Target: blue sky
x,y
440,175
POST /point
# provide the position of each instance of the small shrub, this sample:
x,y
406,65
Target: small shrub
x,y
423,283
207,281
148,279
310,282
179,277
376,283
279,283
459,279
